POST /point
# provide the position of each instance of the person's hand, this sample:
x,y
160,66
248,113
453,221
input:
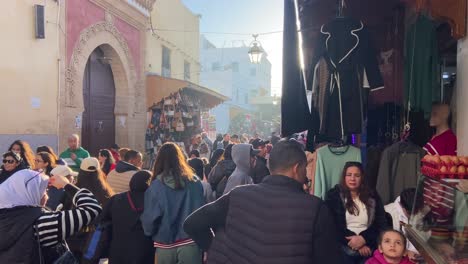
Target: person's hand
x,y
463,186
73,156
58,182
356,242
365,251
413,256
205,257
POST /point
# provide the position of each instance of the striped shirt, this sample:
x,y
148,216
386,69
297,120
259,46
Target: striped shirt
x,y
54,227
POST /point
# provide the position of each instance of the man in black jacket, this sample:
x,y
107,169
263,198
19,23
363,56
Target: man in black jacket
x,y
261,170
284,225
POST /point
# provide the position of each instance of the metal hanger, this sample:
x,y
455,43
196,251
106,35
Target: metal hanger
x,y
341,6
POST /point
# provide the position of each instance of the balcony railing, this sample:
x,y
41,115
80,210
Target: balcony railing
x,y
144,6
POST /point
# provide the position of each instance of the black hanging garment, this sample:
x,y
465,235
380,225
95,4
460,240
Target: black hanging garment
x,y
295,113
352,64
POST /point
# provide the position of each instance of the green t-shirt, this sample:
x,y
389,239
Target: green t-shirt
x,y
330,167
80,153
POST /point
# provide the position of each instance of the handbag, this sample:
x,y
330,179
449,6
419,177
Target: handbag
x,y
180,126
58,254
98,243
168,101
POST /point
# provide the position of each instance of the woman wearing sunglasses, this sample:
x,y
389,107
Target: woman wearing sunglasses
x,y
11,164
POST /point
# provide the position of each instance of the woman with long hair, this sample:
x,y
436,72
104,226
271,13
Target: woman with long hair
x,y
173,195
23,149
220,173
128,244
11,164
106,160
92,178
359,214
48,149
44,162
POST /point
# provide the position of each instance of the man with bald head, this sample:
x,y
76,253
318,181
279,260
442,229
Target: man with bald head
x,y
74,154
444,142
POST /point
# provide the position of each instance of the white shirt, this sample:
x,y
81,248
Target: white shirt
x,y
357,223
398,215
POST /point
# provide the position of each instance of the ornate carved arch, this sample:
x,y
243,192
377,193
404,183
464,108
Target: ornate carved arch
x,y
123,67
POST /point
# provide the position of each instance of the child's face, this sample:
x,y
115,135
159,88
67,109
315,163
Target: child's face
x,y
392,245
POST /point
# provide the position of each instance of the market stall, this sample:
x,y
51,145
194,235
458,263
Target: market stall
x,y
176,109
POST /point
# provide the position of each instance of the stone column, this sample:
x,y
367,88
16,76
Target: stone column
x,y
462,97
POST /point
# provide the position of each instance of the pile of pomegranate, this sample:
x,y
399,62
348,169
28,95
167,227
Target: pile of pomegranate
x,y
445,167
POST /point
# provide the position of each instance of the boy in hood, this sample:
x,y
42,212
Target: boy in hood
x,y
244,156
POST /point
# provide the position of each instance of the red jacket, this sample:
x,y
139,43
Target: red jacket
x,y
378,258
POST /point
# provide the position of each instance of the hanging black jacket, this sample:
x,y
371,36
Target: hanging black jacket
x,y
284,225
376,214
129,245
345,45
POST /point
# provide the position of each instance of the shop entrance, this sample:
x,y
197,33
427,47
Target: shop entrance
x,y
98,124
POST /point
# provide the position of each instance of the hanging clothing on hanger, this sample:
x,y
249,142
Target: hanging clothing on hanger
x,y
352,63
399,169
422,70
330,164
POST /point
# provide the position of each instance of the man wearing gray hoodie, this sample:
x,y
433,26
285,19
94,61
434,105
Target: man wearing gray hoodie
x,y
244,156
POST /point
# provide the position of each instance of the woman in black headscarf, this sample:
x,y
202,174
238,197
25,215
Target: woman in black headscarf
x,y
129,245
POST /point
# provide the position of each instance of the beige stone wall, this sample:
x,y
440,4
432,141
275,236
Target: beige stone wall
x,y
173,15
29,69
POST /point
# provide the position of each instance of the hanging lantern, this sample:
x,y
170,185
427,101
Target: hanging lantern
x,y
255,51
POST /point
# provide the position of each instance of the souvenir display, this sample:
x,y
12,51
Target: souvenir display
x,y
175,118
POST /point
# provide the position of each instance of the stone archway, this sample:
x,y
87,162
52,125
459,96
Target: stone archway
x,y
128,87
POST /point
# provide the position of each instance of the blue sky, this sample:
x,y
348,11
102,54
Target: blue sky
x,y
244,16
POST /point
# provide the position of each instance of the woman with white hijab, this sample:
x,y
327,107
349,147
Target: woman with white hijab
x,y
29,232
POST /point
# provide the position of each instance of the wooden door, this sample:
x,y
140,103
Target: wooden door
x,y
98,124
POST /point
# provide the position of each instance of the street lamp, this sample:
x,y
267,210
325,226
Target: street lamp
x,y
255,51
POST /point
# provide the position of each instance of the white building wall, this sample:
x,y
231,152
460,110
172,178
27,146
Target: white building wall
x,y
230,71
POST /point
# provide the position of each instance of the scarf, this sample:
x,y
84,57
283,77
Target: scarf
x,y
24,188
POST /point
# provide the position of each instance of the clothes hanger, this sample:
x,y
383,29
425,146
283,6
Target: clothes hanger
x,y
341,6
339,147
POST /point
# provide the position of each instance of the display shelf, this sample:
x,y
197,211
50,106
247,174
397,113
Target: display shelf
x,y
439,221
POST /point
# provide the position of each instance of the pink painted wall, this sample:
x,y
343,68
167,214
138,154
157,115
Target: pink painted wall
x,y
82,14
132,36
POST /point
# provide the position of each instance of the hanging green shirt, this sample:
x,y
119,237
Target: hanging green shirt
x,y
422,68
330,164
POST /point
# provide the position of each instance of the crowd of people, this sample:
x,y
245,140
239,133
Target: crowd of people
x,y
232,200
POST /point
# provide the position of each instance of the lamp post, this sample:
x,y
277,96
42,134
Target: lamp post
x,y
255,51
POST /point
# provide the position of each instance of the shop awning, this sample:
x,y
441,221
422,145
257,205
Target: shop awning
x,y
158,87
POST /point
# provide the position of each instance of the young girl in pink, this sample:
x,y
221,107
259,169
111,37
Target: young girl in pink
x,y
392,249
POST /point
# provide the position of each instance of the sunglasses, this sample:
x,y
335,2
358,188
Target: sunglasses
x,y
8,161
